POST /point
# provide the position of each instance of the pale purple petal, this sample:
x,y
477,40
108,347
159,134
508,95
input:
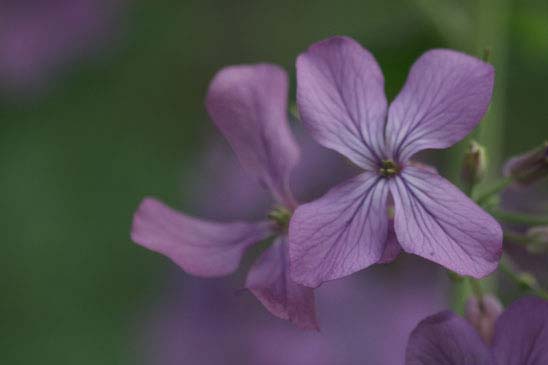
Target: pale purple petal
x,y
343,232
340,95
269,281
273,345
521,333
445,96
435,220
392,248
249,105
446,339
366,319
421,165
199,247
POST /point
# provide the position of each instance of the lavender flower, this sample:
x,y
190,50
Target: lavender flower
x,y
365,316
249,105
36,37
521,338
342,103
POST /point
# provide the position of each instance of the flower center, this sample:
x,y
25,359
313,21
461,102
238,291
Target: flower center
x,y
280,216
389,168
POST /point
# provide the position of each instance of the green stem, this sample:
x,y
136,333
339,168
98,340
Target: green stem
x,y
522,279
519,218
495,189
492,25
518,238
469,189
476,289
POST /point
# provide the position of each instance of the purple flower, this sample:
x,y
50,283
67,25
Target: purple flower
x,y
36,37
249,105
521,338
365,316
340,94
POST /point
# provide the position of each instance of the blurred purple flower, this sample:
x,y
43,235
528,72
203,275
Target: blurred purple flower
x,y
249,105
521,337
36,37
342,103
367,316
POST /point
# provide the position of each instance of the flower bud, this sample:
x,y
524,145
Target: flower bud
x,y
483,314
537,239
474,164
528,167
526,281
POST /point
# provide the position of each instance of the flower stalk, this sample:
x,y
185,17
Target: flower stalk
x,y
524,280
518,218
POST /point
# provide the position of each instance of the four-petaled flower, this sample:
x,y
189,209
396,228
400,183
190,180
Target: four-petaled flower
x,y
520,338
340,95
249,105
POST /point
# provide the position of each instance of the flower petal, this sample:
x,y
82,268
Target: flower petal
x,y
445,96
392,248
268,279
249,105
340,94
199,247
343,232
437,221
446,339
521,333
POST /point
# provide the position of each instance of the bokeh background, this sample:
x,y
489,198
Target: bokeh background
x,y
101,103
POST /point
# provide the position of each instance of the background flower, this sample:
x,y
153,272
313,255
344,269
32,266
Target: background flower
x,y
367,316
38,38
521,337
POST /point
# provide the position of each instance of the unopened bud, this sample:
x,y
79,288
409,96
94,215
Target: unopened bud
x,y
482,314
526,281
537,239
474,165
528,167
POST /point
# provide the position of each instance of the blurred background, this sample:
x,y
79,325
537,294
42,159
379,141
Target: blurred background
x,y
101,104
